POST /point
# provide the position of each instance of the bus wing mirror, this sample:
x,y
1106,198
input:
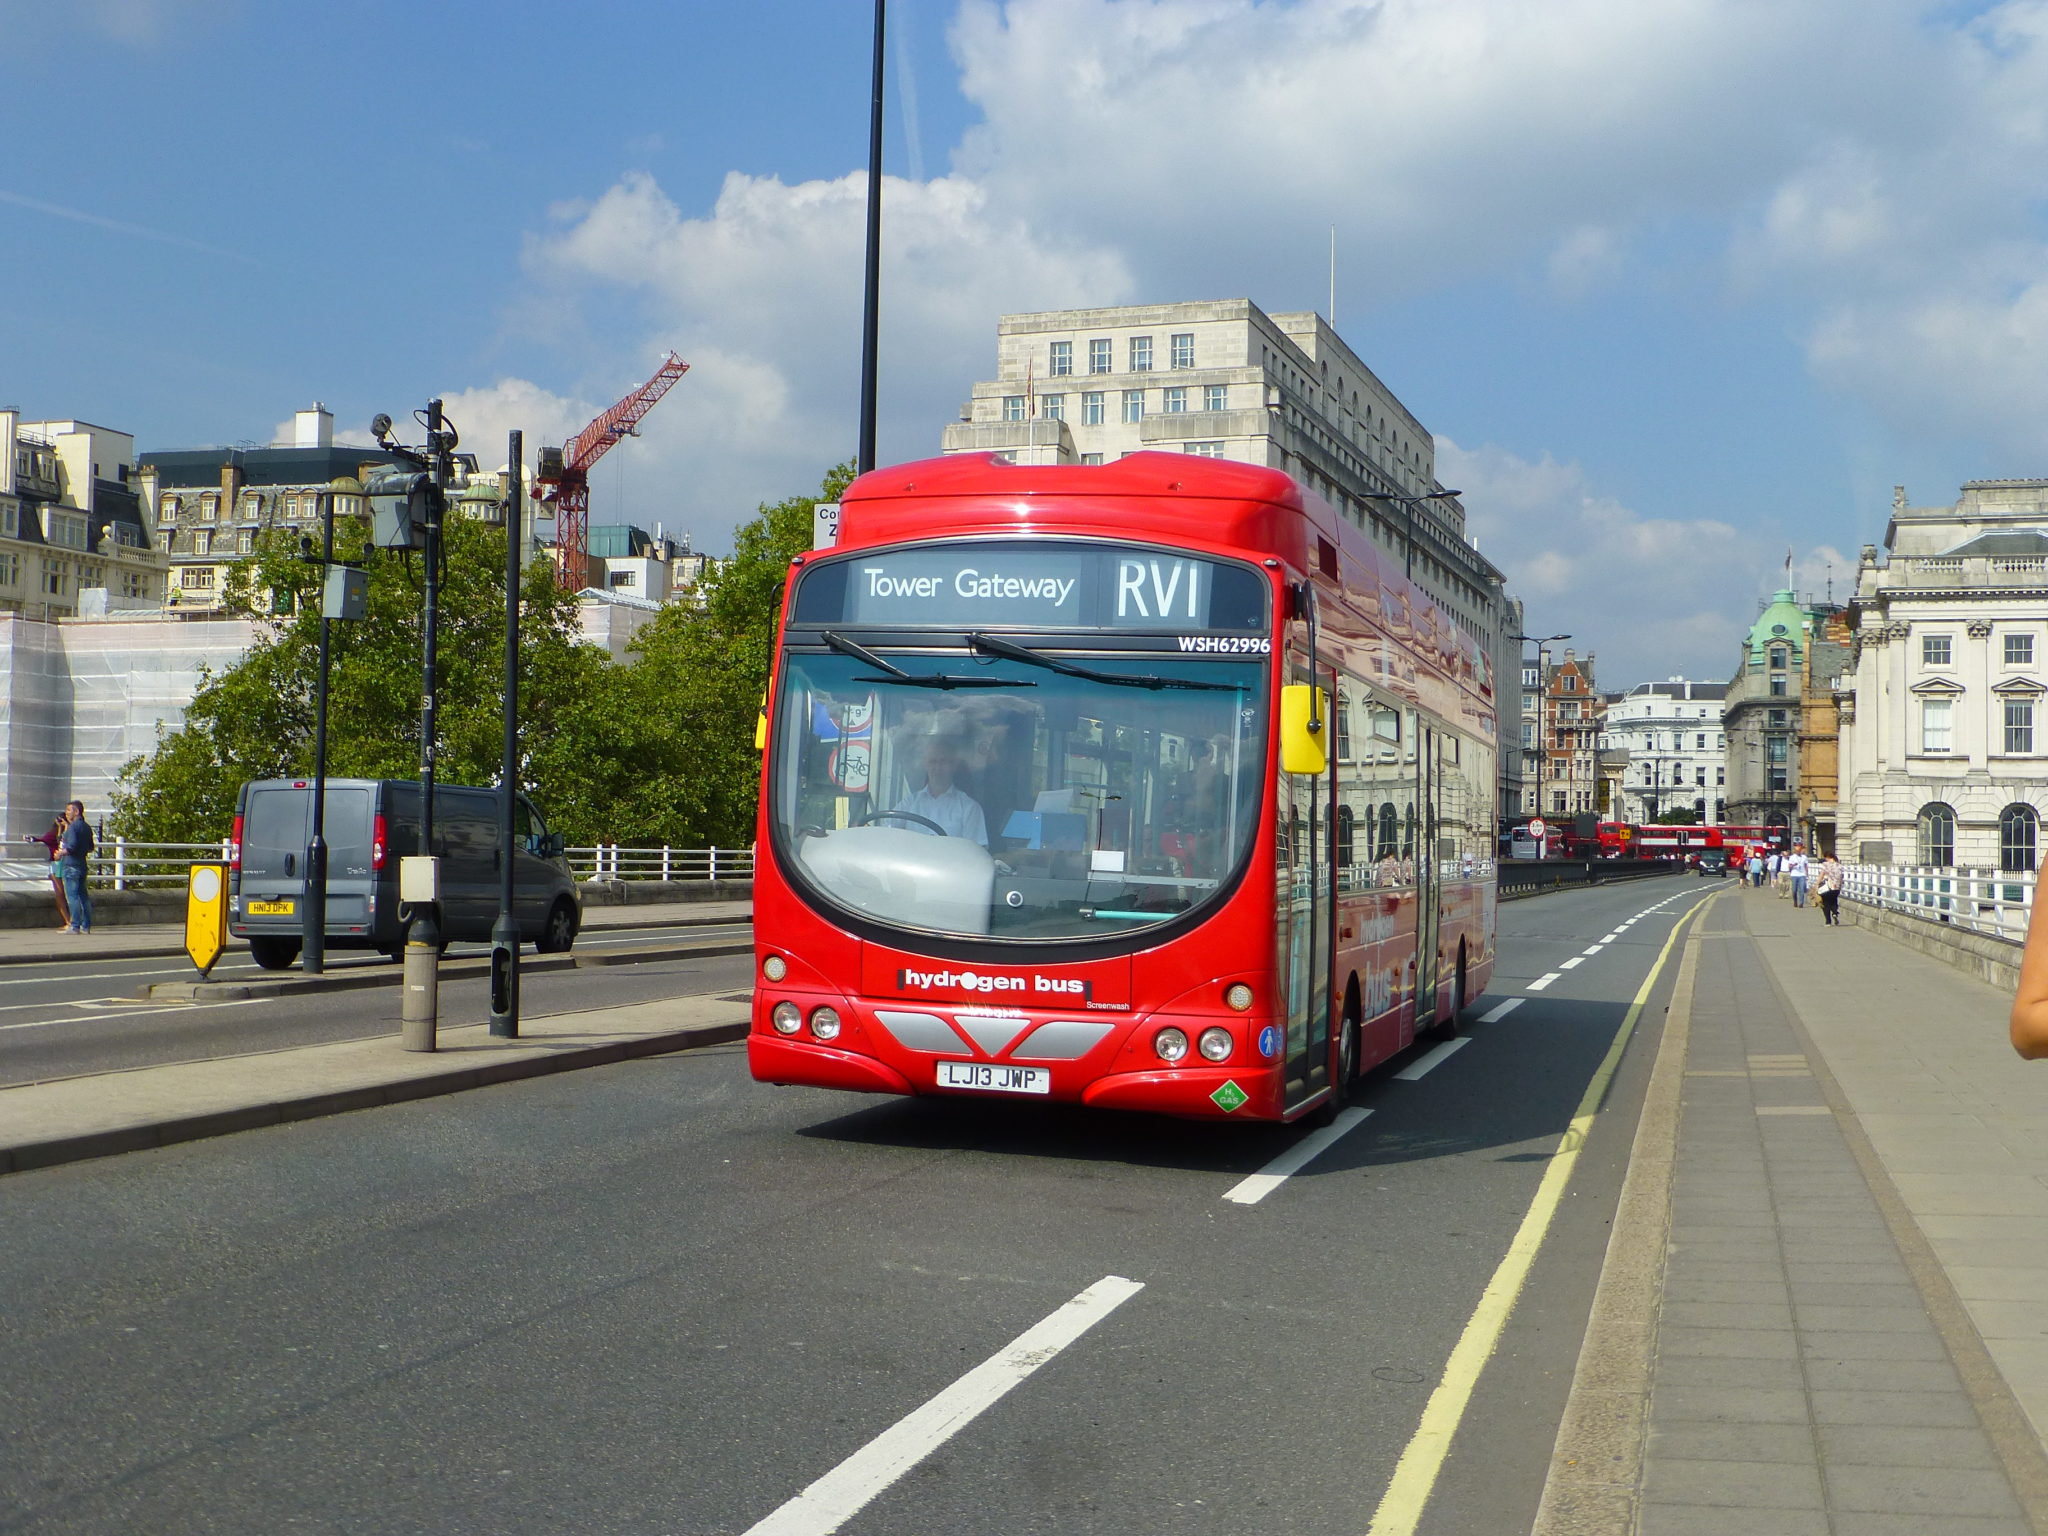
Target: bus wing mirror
x,y
1304,709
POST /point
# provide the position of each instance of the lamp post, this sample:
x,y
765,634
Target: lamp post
x,y
1409,503
1542,704
864,458
313,922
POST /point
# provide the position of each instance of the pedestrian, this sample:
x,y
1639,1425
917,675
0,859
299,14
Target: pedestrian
x,y
1795,873
76,845
2030,1006
1774,867
52,843
1829,887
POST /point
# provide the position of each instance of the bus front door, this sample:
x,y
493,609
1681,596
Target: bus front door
x,y
1306,906
1428,880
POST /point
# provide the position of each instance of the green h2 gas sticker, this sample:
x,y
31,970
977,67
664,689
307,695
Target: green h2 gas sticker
x,y
1229,1097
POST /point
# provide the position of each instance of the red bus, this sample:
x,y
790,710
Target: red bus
x,y
1150,785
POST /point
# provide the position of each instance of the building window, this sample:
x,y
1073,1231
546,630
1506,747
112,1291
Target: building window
x,y
1776,717
1937,722
1013,407
1141,354
1205,450
197,578
1183,349
1936,650
54,579
1935,832
1098,355
1528,733
1176,400
1721,775
1699,742
1091,408
2019,650
2018,829
1215,397
1055,407
1062,359
1778,657
1134,405
1568,683
1529,677
1778,688
2019,726
10,568
1091,458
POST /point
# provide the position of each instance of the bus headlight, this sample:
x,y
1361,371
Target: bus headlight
x,y
825,1023
1215,1044
775,967
1170,1044
787,1018
1237,995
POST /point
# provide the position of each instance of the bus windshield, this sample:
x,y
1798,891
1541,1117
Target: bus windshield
x,y
974,792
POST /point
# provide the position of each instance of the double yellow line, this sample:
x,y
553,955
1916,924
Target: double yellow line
x,y
1400,1509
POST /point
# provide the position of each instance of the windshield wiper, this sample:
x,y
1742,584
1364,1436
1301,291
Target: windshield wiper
x,y
995,647
846,647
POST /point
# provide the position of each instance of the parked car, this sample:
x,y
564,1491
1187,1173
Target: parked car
x,y
1712,861
369,825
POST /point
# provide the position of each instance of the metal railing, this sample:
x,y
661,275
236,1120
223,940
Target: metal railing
x,y
615,861
120,865
1992,901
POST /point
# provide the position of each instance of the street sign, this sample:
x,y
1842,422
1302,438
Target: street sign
x,y
1537,829
824,524
206,914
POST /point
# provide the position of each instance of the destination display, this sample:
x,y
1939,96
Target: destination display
x,y
1036,584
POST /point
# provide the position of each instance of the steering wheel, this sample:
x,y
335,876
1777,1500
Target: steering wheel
x,y
923,821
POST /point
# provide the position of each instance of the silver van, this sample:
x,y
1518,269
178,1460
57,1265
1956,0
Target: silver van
x,y
370,824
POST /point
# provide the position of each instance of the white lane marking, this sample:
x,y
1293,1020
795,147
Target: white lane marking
x,y
1594,949
1573,963
1502,1011
843,1492
137,1013
1255,1187
1543,981
1416,1070
1612,937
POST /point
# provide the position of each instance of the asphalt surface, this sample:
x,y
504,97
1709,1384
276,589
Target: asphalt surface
x,y
657,1297
89,1017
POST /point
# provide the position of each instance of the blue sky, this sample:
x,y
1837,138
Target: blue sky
x,y
1679,285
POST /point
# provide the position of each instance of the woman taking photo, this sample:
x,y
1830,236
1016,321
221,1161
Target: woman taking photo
x,y
53,844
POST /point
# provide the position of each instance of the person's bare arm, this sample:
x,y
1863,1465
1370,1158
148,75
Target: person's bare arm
x,y
2030,1007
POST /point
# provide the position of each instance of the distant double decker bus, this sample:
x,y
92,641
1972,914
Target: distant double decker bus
x,y
1149,785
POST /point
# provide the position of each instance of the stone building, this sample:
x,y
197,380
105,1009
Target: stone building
x,y
1569,737
214,503
1676,759
1761,715
71,520
1828,659
1944,759
1223,379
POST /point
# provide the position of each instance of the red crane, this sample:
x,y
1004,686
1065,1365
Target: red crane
x,y
563,478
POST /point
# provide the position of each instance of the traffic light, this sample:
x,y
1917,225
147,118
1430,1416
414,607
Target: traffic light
x,y
402,503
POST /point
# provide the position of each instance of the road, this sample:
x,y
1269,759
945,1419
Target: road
x,y
656,1297
90,1017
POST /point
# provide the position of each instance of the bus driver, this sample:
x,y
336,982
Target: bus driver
x,y
943,801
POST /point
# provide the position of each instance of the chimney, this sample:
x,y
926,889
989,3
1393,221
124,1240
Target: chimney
x,y
313,428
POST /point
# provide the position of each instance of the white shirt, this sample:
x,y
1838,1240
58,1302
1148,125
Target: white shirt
x,y
1795,865
958,813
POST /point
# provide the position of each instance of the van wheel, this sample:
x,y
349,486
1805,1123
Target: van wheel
x,y
274,954
560,932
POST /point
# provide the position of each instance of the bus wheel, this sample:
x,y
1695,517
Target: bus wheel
x,y
1325,1113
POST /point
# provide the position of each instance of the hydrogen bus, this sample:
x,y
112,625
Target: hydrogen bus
x,y
1151,785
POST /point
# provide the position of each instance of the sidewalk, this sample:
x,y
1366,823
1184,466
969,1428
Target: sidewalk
x,y
112,1112
1822,1309
43,946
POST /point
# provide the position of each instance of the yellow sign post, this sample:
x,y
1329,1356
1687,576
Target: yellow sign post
x,y
206,914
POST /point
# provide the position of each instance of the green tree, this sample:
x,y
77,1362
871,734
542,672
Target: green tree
x,y
255,719
1678,816
696,680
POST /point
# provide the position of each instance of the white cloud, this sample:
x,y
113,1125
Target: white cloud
x,y
762,297
1652,597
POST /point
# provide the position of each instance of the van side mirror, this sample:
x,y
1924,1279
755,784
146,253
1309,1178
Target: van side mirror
x,y
1304,728
556,844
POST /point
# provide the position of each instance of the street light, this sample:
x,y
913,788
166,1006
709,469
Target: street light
x,y
864,456
1542,707
1410,503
